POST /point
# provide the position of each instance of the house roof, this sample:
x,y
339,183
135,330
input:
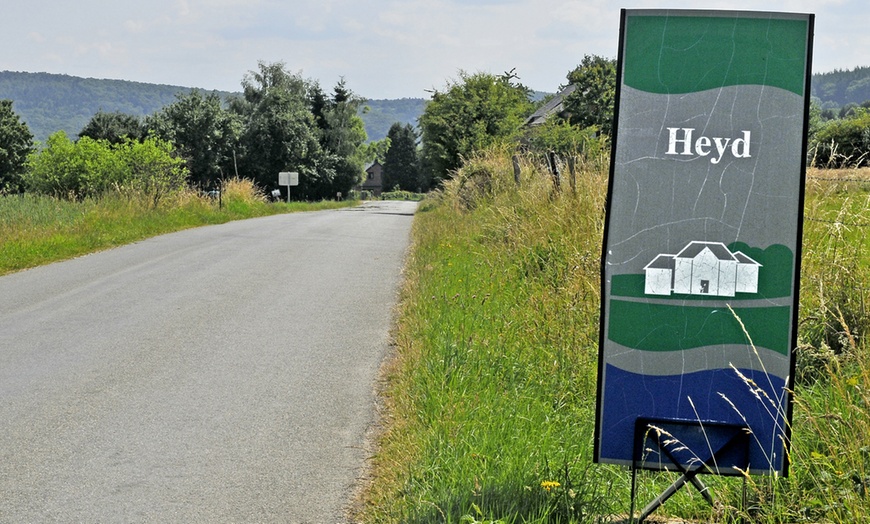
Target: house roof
x,y
554,105
743,259
661,262
718,249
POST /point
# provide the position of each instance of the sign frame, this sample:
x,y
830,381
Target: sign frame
x,y
685,135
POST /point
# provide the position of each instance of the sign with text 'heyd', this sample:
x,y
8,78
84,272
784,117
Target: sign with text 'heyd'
x,y
701,253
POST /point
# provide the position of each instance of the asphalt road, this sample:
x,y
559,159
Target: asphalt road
x,y
221,374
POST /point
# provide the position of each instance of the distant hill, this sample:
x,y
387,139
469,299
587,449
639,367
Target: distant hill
x,y
51,102
839,88
379,115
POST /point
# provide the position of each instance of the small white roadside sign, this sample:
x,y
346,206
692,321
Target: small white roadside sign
x,y
288,178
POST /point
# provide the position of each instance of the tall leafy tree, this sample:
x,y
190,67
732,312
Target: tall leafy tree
x,y
470,114
592,103
343,136
279,130
401,163
203,131
319,103
16,143
376,151
114,127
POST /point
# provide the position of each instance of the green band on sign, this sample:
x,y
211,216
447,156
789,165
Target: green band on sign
x,y
762,51
657,327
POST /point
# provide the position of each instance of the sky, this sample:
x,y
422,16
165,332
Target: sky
x,y
383,49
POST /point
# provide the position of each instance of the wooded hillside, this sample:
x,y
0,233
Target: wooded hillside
x,y
51,102
840,88
381,114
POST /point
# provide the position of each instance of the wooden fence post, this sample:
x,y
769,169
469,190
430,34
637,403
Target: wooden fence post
x,y
554,168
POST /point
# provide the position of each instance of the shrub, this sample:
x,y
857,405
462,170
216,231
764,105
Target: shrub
x,y
152,168
74,170
401,195
843,142
90,168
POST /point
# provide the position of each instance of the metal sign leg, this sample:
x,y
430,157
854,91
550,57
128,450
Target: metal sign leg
x,y
687,476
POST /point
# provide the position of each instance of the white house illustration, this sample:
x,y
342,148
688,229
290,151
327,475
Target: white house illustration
x,y
702,268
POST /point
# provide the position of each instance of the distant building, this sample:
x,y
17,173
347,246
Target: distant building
x,y
374,182
554,106
702,268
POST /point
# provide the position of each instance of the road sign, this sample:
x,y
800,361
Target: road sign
x,y
288,178
701,252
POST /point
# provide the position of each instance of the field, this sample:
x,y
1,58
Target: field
x,y
490,396
37,230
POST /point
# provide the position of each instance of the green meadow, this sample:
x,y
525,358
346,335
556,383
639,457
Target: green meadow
x,y
36,230
490,395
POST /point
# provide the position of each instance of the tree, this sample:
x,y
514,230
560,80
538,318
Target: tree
x,y
401,164
592,103
203,131
114,127
376,151
470,114
279,130
16,143
342,136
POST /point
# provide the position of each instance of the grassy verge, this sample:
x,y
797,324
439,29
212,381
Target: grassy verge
x,y
490,397
402,195
38,230
493,387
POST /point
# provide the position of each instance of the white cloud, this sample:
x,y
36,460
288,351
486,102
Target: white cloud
x,y
36,37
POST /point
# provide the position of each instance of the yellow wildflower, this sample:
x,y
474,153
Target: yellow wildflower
x,y
549,484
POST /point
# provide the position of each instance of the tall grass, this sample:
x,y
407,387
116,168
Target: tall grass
x,y
36,230
836,247
493,387
830,448
490,397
